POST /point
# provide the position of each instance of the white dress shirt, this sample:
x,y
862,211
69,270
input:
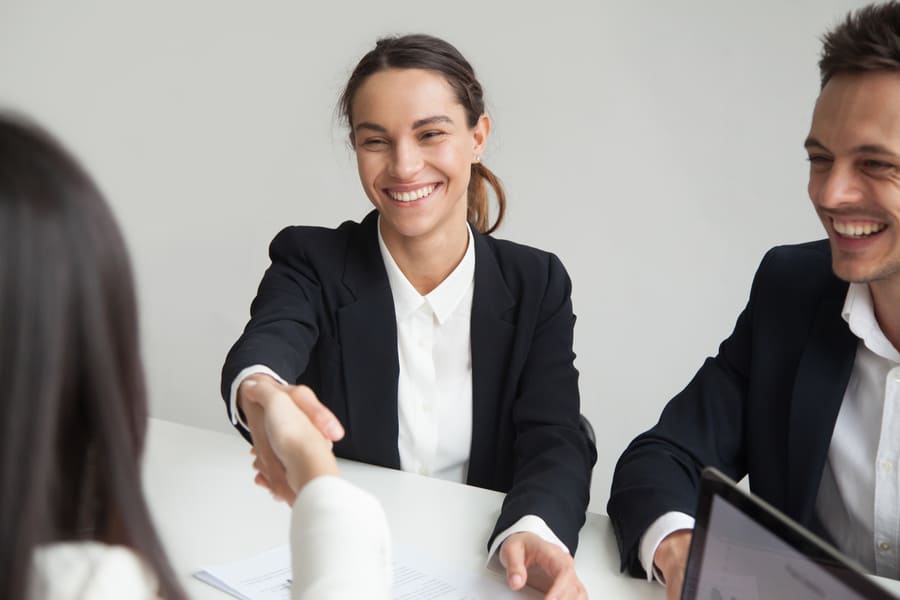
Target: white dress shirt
x,y
434,386
859,495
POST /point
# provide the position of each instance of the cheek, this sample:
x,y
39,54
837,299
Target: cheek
x,y
452,159
814,186
367,167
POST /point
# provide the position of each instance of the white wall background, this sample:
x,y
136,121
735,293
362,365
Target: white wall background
x,y
655,146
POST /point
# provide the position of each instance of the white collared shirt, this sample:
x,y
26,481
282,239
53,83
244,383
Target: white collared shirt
x,y
434,388
859,496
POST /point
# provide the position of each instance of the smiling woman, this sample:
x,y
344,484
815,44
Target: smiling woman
x,y
429,345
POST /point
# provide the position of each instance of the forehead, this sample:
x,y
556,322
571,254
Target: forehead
x,y
857,109
403,96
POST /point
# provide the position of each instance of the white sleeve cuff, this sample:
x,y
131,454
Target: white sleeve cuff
x,y
667,524
232,400
530,523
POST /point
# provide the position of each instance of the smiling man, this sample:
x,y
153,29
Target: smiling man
x,y
804,396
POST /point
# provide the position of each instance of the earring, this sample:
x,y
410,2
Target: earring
x,y
477,158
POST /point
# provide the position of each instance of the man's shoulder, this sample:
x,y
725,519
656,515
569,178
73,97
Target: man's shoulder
x,y
811,254
798,271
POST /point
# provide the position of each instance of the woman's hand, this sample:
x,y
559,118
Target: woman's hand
x,y
292,434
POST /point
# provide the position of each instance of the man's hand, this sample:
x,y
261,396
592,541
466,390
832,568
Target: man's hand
x,y
255,395
671,559
544,566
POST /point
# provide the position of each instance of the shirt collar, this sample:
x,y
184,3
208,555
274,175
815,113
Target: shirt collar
x,y
859,313
444,299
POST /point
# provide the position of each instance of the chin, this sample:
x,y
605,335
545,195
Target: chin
x,y
856,271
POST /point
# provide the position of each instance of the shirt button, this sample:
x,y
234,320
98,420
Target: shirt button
x,y
887,465
884,546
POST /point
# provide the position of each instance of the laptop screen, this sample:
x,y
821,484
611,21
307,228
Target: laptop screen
x,y
743,549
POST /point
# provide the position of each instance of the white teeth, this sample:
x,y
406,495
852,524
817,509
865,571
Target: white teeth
x,y
857,230
413,195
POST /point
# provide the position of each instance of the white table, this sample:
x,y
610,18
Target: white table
x,y
200,488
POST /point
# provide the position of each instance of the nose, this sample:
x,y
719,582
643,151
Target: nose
x,y
406,161
837,187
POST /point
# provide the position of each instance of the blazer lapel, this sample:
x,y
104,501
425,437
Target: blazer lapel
x,y
492,331
822,377
368,330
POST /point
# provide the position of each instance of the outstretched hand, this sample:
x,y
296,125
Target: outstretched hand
x,y
292,434
533,561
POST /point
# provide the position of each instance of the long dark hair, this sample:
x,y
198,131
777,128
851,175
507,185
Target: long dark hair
x,y
73,407
434,54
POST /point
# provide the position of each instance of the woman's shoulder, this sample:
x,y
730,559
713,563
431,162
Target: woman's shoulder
x,y
90,570
517,258
320,240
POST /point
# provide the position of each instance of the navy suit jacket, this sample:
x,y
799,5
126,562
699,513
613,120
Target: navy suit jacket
x,y
765,406
324,316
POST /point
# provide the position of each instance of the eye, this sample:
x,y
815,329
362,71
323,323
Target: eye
x,y
374,143
819,162
877,166
432,135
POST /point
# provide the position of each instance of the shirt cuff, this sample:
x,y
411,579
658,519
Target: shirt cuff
x,y
660,528
529,523
236,418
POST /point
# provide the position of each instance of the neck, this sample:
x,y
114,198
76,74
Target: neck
x,y
886,301
427,261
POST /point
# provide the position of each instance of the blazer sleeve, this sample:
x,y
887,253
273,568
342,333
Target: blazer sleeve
x,y
703,425
554,458
283,326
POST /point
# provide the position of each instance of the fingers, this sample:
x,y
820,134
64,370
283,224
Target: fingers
x,y
266,462
512,556
542,565
321,417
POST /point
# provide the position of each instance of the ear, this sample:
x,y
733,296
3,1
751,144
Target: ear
x,y
480,134
352,139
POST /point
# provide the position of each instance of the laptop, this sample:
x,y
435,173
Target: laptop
x,y
745,549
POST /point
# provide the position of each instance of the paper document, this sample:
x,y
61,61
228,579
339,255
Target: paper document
x,y
267,576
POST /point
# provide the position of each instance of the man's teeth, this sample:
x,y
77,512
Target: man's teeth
x,y
857,230
413,195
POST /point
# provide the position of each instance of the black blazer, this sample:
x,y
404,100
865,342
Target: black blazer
x,y
324,316
766,405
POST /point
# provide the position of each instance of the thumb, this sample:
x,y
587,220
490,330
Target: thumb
x,y
512,556
324,420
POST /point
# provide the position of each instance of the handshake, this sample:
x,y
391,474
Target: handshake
x,y
292,435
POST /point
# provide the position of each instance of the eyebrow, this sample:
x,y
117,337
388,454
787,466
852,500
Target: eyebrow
x,y
416,124
812,142
432,121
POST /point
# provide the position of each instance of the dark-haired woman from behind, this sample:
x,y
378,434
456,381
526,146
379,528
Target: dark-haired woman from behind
x,y
73,520
415,339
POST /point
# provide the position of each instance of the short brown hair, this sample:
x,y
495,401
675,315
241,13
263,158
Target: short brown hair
x,y
867,40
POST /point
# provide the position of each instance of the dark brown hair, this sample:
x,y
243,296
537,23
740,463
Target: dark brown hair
x,y
73,403
421,51
867,40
